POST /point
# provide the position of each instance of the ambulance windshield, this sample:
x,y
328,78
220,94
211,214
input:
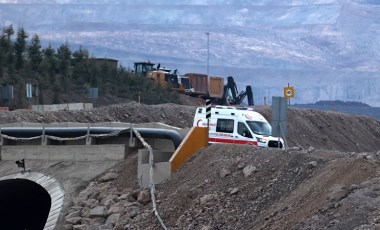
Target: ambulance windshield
x,y
261,128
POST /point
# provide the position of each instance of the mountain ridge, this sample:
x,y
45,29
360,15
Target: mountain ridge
x,y
324,42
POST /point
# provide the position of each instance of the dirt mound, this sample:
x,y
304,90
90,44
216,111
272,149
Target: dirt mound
x,y
330,178
237,187
329,130
306,127
132,112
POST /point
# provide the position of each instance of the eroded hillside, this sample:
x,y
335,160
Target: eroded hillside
x,y
306,127
328,178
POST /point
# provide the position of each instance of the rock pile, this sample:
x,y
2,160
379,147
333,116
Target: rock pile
x,y
330,178
102,206
240,187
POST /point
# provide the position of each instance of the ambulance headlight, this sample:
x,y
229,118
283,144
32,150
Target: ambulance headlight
x,y
262,140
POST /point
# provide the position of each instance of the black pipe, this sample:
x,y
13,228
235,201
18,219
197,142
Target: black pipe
x,y
27,132
161,134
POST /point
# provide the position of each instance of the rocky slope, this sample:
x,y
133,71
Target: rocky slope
x,y
329,178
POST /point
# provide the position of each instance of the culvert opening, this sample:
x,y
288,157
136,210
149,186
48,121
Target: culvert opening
x,y
24,204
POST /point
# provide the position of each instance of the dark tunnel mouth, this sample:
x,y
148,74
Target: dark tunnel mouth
x,y
24,204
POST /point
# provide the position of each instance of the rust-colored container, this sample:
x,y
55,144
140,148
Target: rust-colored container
x,y
216,87
199,82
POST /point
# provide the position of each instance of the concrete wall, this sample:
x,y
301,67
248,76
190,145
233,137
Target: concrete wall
x,y
161,144
62,107
161,169
64,153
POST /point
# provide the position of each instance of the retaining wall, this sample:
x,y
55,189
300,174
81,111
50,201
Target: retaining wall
x,y
62,107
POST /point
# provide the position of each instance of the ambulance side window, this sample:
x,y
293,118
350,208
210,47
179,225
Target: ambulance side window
x,y
243,130
225,125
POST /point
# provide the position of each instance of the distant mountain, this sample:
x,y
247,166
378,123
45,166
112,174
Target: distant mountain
x,y
326,49
344,107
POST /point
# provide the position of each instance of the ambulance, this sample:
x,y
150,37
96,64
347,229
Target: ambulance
x,y
237,125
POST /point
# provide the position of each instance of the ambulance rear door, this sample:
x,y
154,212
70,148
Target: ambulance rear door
x,y
224,131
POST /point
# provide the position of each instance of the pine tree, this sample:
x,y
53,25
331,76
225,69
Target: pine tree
x,y
64,58
48,65
34,53
81,66
20,47
6,47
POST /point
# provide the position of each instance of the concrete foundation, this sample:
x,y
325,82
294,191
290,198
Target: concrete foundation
x,y
62,107
161,167
97,149
65,153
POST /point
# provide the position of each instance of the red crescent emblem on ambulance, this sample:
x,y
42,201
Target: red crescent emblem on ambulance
x,y
249,117
199,120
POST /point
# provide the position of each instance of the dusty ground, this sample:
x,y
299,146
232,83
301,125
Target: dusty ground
x,y
328,179
236,187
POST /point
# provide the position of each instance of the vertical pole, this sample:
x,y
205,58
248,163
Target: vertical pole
x,y
88,138
37,93
208,116
208,60
208,130
130,135
208,53
1,139
43,141
289,97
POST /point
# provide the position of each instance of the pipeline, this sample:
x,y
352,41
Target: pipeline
x,y
27,132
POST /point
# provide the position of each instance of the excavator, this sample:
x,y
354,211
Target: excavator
x,y
196,85
231,96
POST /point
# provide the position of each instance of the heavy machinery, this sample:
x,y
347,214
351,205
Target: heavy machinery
x,y
231,96
213,88
143,67
205,86
164,77
184,84
196,84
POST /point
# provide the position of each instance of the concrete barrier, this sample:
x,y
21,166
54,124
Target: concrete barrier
x,y
64,152
194,141
161,168
62,107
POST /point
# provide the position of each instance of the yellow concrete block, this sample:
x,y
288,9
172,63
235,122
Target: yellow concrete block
x,y
196,139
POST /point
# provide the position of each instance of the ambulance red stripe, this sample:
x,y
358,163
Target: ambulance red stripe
x,y
232,141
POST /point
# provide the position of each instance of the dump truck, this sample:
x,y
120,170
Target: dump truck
x,y
199,82
185,85
196,84
216,87
206,87
213,88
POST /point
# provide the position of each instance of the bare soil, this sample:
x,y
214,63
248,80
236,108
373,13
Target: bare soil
x,y
287,190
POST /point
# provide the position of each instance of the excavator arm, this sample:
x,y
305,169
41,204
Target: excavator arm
x,y
231,95
247,93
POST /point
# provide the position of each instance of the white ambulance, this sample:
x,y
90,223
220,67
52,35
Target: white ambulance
x,y
238,125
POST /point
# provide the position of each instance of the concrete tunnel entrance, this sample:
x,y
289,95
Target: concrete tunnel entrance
x,y
24,204
30,200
